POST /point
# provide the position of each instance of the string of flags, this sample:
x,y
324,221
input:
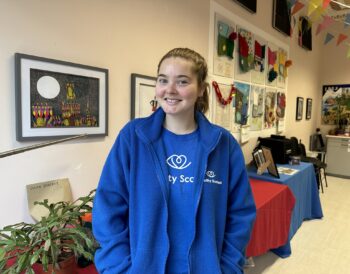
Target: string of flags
x,y
318,13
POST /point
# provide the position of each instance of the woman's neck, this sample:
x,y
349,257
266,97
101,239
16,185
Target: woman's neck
x,y
179,125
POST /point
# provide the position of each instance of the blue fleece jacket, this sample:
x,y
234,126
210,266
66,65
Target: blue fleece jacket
x,y
130,209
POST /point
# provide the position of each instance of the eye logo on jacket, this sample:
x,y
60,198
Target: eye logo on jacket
x,y
178,161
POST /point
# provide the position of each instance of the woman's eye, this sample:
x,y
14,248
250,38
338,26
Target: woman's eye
x,y
162,81
182,82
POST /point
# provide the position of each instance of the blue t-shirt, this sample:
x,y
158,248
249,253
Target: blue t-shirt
x,y
181,153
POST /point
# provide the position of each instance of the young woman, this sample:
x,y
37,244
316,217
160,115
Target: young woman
x,y
174,195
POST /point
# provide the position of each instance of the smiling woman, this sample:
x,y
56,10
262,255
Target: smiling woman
x,y
190,175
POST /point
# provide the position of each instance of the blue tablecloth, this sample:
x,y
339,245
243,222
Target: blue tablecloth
x,y
303,184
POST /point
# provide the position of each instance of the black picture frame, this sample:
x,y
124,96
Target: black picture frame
x,y
56,99
299,108
308,108
281,17
249,5
143,100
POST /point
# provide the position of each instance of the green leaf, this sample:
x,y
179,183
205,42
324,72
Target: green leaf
x,y
35,257
47,245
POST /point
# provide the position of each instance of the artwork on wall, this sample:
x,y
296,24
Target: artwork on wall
x,y
223,94
335,104
308,108
57,98
143,99
299,110
241,103
272,65
281,110
245,51
270,108
281,16
256,108
250,5
282,69
224,45
258,74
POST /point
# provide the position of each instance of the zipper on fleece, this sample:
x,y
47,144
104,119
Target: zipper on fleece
x,y
198,200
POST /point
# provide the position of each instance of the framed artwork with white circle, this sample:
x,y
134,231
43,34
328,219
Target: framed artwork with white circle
x,y
57,99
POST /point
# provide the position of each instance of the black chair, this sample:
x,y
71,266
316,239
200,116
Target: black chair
x,y
298,149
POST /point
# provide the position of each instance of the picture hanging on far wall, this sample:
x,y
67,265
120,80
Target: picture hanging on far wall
x,y
58,99
299,111
308,108
143,99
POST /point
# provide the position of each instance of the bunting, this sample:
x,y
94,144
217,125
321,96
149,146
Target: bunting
x,y
313,6
328,38
327,21
297,6
325,3
347,20
341,38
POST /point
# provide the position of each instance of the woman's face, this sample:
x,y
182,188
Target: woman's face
x,y
177,87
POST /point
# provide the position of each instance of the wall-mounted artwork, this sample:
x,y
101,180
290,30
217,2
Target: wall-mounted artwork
x,y
224,45
256,108
270,108
308,108
258,74
299,110
281,110
143,99
335,104
241,103
281,16
272,65
57,98
250,5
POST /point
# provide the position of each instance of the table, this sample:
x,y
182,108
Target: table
x,y
274,204
303,184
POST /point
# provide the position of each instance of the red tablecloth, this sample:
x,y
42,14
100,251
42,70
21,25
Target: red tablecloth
x,y
274,203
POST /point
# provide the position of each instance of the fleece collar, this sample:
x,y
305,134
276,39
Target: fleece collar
x,y
149,129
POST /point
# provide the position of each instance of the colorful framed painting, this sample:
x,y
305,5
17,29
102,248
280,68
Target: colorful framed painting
x,y
143,99
57,99
299,110
308,108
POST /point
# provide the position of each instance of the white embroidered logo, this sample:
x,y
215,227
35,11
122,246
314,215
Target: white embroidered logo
x,y
210,174
178,161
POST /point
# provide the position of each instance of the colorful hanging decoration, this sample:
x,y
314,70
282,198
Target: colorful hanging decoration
x,y
245,50
341,38
259,56
218,93
328,38
226,40
296,7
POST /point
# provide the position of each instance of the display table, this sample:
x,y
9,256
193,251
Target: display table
x,y
304,187
274,204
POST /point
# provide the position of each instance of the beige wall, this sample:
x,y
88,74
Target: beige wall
x,y
125,37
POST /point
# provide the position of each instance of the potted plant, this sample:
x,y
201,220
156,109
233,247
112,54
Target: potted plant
x,y
45,245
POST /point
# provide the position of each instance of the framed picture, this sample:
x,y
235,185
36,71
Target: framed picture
x,y
271,168
143,99
59,99
299,111
308,108
250,5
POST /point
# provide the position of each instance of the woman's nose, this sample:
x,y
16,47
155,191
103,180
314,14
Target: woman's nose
x,y
171,87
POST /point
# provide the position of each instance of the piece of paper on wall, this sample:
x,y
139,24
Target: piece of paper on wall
x,y
224,46
258,74
55,191
282,70
244,62
222,114
272,65
281,110
270,108
244,134
256,108
242,103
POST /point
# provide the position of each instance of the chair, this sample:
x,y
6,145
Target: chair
x,y
319,165
298,149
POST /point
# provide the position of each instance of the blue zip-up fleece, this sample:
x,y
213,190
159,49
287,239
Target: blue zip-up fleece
x,y
130,209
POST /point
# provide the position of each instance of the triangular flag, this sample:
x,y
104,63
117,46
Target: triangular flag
x,y
317,13
348,55
290,3
325,3
329,37
297,6
327,20
313,5
320,27
341,38
347,20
